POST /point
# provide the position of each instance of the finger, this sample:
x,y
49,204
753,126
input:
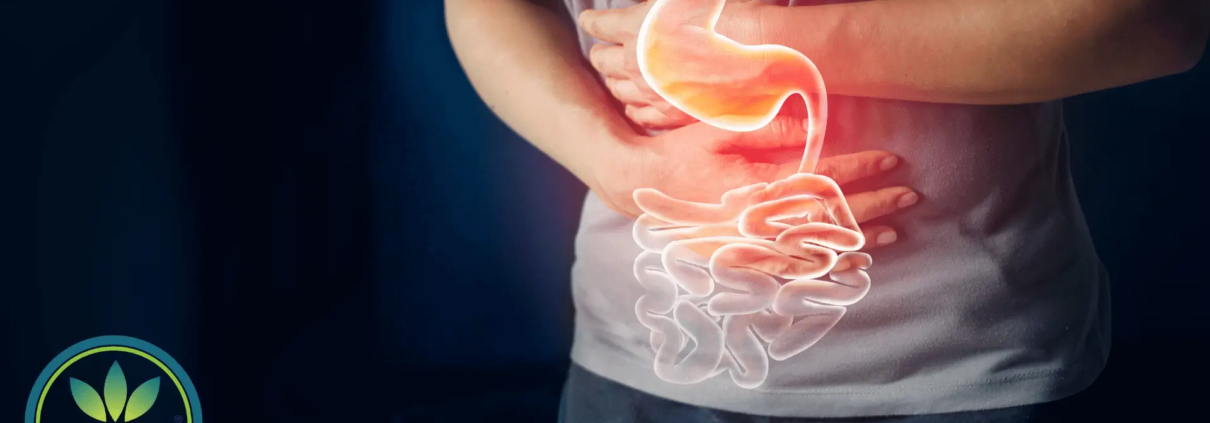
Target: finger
x,y
874,204
627,92
851,167
676,117
605,25
609,60
849,260
672,112
782,132
645,90
651,118
878,236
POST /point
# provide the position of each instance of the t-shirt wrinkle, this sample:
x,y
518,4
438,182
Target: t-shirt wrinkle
x,y
992,297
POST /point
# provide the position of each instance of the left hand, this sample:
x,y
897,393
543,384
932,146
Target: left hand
x,y
618,61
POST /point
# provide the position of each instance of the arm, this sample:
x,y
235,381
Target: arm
x,y
524,61
527,66
986,51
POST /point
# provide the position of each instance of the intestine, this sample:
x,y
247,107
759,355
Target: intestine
x,y
735,284
743,280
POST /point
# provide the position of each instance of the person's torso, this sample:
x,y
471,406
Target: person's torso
x,y
993,279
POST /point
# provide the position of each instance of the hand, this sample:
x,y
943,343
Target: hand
x,y
619,66
700,162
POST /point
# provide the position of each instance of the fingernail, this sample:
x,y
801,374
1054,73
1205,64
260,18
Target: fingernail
x,y
889,163
886,238
908,199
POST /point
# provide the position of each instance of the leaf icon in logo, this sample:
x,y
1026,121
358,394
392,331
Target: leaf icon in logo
x,y
139,402
87,399
142,398
115,391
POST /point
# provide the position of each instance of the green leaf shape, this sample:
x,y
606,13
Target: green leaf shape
x,y
142,399
87,399
115,391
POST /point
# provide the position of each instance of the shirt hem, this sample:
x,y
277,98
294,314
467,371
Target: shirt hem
x,y
909,399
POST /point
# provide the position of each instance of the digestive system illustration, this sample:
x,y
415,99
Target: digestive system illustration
x,y
731,285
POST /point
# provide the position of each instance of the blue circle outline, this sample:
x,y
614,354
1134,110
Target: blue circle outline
x,y
112,340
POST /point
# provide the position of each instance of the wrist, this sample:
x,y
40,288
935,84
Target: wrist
x,y
743,22
617,168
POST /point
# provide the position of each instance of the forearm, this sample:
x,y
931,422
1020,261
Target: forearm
x,y
526,65
989,51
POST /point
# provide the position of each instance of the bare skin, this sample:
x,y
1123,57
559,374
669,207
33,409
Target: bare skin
x,y
523,60
941,51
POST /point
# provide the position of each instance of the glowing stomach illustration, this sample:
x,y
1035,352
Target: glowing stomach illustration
x,y
722,82
735,284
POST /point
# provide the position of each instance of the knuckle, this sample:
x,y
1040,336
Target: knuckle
x,y
839,169
666,108
863,208
845,167
790,129
654,97
596,56
888,201
585,20
826,168
870,164
779,127
630,112
660,122
632,65
623,92
593,22
631,91
641,116
607,55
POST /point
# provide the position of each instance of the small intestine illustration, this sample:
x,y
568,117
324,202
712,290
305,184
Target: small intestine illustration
x,y
767,272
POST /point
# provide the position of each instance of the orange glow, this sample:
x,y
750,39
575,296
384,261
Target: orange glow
x,y
722,82
768,245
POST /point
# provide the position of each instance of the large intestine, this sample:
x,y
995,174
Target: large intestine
x,y
735,284
732,285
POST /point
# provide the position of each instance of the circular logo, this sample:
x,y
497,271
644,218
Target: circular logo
x,y
113,379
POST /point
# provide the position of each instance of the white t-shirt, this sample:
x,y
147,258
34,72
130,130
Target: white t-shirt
x,y
992,297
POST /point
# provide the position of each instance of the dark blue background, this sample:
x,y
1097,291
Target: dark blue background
x,y
307,205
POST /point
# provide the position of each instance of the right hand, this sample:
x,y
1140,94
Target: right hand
x,y
617,60
700,162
